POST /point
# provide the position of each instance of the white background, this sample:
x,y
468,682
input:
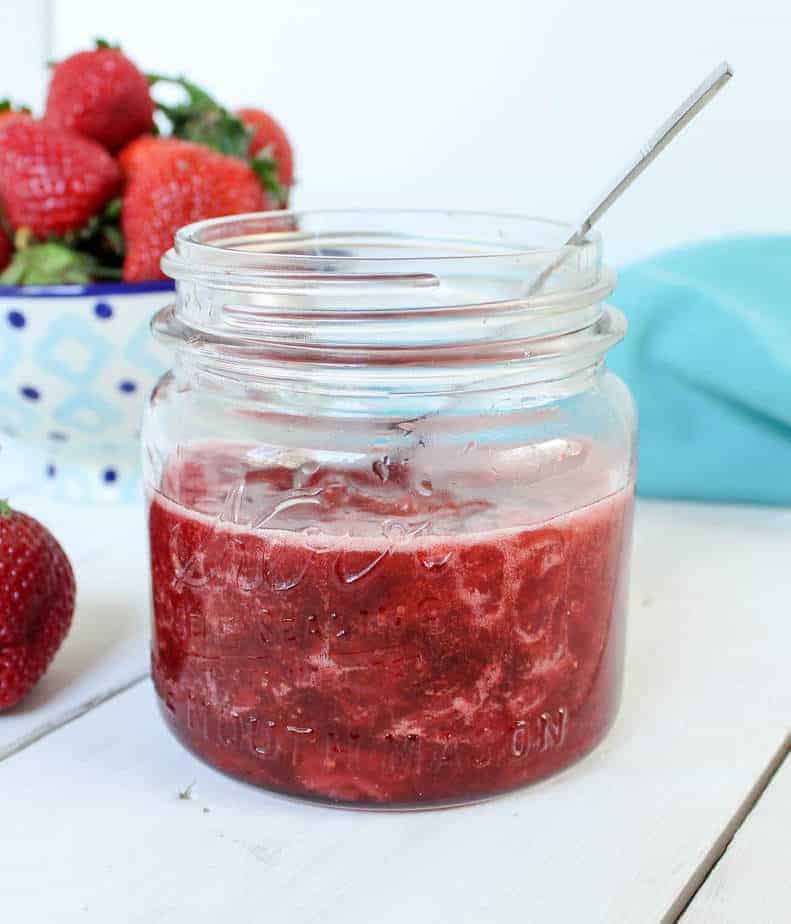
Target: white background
x,y
503,104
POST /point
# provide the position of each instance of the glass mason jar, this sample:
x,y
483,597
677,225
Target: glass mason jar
x,y
390,485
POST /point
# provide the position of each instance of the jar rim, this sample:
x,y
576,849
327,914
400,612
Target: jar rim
x,y
277,239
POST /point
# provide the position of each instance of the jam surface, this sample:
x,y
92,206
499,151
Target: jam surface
x,y
350,635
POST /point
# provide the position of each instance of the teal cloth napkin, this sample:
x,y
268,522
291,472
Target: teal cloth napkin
x,y
708,359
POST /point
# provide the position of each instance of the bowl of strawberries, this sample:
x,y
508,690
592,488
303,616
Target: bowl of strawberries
x,y
91,194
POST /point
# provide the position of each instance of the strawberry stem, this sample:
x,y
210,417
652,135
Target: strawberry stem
x,y
5,509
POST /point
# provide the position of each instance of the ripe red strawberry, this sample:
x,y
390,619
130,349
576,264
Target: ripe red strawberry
x,y
100,94
36,602
172,183
6,249
269,137
52,181
136,152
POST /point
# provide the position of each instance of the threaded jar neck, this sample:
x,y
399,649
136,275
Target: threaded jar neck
x,y
387,300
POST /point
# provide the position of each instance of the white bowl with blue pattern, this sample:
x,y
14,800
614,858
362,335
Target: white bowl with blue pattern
x,y
76,366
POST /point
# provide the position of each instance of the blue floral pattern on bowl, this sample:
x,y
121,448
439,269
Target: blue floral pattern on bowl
x,y
76,366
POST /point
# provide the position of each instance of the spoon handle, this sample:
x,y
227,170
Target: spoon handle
x,y
666,132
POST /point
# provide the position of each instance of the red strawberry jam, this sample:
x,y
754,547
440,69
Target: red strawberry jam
x,y
352,635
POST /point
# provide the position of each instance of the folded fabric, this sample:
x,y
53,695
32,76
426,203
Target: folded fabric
x,y
708,359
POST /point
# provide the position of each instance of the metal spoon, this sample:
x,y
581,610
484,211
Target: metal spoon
x,y
666,132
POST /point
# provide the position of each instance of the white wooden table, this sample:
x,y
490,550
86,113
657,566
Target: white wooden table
x,y
684,811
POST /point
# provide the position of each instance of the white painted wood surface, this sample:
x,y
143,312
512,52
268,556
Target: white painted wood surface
x,y
93,828
752,881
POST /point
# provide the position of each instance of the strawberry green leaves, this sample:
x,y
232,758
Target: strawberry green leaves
x,y
59,261
103,240
265,169
50,263
202,119
6,106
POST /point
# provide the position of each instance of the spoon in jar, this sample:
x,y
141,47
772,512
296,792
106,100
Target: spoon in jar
x,y
666,132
